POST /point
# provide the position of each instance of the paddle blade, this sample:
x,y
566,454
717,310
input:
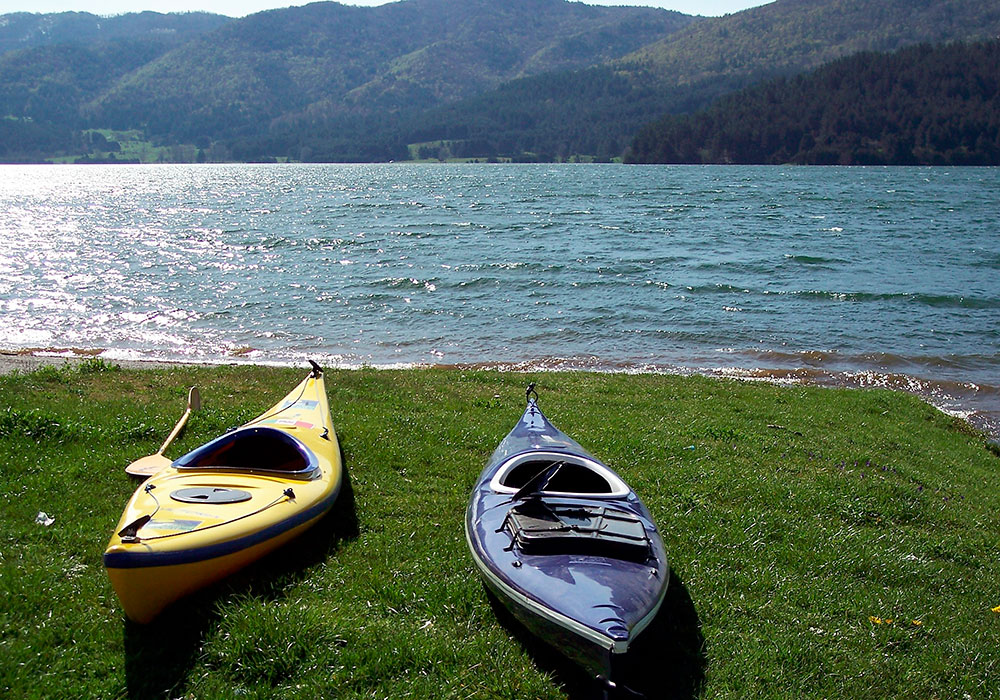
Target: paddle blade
x,y
148,465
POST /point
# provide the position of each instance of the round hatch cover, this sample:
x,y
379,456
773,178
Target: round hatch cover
x,y
210,494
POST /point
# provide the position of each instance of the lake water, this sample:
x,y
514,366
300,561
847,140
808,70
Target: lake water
x,y
855,276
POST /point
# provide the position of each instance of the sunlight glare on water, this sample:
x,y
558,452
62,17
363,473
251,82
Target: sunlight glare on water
x,y
729,269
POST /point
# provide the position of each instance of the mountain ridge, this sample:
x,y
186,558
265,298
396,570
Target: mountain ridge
x,y
690,68
546,79
342,60
25,30
921,105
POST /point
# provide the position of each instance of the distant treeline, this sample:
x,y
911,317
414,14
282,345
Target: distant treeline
x,y
926,104
522,80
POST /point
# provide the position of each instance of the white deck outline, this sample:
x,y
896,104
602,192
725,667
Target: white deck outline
x,y
619,489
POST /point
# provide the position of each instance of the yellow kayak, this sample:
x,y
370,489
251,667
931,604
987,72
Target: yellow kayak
x,y
227,503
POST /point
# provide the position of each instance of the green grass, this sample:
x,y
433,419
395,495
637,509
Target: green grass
x,y
799,522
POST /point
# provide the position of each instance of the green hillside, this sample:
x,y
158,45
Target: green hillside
x,y
789,36
49,83
26,30
43,88
926,104
52,64
518,79
688,69
308,66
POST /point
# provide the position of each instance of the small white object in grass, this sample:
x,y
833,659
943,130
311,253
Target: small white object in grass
x,y
43,518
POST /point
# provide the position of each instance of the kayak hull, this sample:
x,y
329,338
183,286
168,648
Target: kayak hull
x,y
580,562
226,504
144,591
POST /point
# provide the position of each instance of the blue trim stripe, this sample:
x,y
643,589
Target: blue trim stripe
x,y
136,560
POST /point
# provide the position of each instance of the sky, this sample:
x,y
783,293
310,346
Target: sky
x,y
239,8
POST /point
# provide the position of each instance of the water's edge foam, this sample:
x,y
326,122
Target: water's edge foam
x,y
956,399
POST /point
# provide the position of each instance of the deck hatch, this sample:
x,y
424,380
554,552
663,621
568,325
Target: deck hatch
x,y
210,494
536,527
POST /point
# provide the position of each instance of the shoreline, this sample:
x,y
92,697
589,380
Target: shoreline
x,y
28,362
985,421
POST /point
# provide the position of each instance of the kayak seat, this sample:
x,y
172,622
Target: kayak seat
x,y
259,450
536,527
571,477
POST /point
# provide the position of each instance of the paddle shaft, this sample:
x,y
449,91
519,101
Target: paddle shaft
x,y
194,404
175,432
150,464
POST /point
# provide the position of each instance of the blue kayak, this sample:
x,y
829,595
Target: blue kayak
x,y
565,544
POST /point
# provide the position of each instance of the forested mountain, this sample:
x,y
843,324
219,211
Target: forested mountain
x,y
547,79
52,64
25,30
50,83
552,116
325,81
306,66
790,36
921,105
688,69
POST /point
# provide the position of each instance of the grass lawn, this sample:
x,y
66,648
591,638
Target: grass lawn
x,y
824,543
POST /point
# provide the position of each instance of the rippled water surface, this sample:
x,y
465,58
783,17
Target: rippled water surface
x,y
847,275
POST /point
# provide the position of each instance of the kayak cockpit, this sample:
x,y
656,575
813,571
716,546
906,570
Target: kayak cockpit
x,y
540,528
257,450
576,475
566,504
